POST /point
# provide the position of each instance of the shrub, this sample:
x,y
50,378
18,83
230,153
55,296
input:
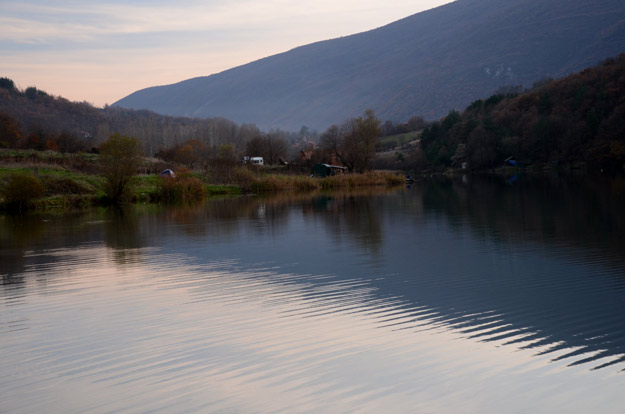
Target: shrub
x,y
181,189
120,157
19,189
222,170
244,177
66,186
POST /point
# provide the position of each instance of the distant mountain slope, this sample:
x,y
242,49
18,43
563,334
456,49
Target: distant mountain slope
x,y
425,64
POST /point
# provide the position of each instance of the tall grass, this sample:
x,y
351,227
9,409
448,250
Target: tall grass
x,y
369,178
183,188
60,185
276,182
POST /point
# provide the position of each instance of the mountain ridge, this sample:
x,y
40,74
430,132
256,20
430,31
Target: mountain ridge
x,y
425,64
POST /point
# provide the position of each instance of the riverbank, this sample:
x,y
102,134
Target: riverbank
x,y
532,169
36,183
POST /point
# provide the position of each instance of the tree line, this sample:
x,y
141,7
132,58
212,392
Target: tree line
x,y
32,118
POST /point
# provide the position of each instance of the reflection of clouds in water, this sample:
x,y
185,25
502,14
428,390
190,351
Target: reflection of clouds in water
x,y
227,338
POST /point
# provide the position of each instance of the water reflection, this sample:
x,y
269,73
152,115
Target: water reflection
x,y
583,211
16,234
354,215
444,296
560,267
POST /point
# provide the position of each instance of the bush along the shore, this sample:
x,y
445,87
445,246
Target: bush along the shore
x,y
119,158
183,188
19,189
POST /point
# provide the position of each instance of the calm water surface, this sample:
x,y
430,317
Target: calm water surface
x,y
473,295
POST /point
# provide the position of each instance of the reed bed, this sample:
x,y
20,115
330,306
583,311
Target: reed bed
x,y
261,183
180,189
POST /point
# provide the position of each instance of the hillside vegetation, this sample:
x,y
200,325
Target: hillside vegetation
x,y
41,121
574,121
33,119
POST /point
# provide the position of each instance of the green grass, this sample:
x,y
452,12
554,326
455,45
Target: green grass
x,y
215,190
393,141
9,170
17,154
64,188
50,171
65,202
145,187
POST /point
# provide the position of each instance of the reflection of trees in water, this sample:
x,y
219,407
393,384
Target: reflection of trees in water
x,y
30,241
577,212
268,217
222,218
347,214
569,298
586,211
127,230
17,234
123,234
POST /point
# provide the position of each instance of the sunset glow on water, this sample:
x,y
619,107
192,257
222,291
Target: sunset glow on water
x,y
393,302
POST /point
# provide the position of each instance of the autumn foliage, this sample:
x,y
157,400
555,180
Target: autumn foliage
x,y
579,119
181,188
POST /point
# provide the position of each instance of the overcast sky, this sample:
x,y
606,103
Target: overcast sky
x,y
101,51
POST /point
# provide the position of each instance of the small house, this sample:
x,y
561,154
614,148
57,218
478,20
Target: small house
x,y
325,170
257,161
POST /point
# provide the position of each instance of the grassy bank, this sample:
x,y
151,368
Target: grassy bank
x,y
258,182
53,187
29,182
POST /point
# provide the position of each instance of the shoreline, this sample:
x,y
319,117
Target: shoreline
x,y
65,189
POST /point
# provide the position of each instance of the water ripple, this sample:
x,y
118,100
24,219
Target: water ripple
x,y
528,329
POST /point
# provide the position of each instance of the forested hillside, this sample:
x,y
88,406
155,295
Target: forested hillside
x,y
577,120
34,119
425,64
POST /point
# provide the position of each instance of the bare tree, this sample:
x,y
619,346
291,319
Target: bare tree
x,y
353,144
272,147
275,147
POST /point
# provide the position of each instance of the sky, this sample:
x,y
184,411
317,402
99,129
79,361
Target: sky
x,y
101,51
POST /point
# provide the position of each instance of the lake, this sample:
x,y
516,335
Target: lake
x,y
474,294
